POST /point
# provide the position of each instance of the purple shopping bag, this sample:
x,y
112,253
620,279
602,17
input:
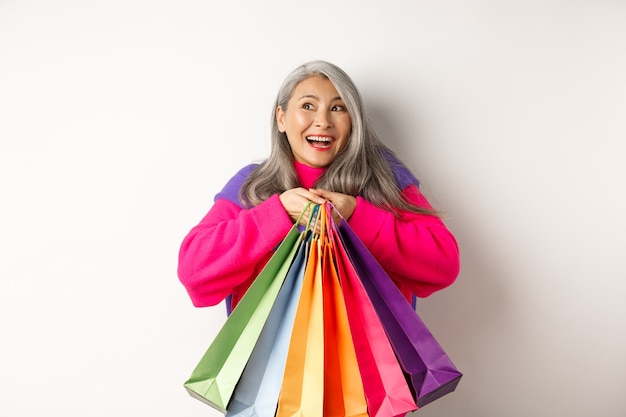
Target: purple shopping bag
x,y
428,368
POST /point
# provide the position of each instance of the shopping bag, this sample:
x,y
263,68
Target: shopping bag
x,y
343,388
302,391
216,375
256,394
429,369
384,384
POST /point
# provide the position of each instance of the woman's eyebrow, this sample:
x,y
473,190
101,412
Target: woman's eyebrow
x,y
313,96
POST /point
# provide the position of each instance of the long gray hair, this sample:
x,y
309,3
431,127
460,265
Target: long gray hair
x,y
361,168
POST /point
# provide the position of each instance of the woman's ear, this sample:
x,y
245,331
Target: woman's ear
x,y
280,119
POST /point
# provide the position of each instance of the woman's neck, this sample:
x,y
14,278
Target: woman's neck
x,y
306,174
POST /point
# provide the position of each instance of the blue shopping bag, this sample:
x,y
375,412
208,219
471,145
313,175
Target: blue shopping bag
x,y
256,394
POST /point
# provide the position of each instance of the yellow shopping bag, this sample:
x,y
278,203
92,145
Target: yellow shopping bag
x,y
302,391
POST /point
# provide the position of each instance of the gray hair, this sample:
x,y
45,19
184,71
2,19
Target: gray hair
x,y
361,168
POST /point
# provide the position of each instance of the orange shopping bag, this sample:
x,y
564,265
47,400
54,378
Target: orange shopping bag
x,y
343,388
386,389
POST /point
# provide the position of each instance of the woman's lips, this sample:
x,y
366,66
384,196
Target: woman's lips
x,y
320,142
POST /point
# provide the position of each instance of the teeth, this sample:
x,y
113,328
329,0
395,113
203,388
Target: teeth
x,y
318,138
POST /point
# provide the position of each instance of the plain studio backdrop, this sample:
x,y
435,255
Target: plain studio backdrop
x,y
120,120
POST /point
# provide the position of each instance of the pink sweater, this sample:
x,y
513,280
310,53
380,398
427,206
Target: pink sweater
x,y
228,248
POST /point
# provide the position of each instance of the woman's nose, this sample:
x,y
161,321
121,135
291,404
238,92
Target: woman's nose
x,y
322,119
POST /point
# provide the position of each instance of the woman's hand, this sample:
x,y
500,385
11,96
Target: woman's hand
x,y
344,203
296,199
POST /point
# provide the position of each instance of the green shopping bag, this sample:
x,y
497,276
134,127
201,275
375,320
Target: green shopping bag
x,y
214,378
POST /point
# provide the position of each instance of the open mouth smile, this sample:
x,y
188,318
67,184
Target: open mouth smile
x,y
320,142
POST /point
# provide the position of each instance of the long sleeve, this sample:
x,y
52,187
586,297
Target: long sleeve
x,y
223,254
227,249
418,252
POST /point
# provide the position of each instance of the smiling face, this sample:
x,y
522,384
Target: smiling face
x,y
316,122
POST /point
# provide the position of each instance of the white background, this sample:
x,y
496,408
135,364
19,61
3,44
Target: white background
x,y
120,120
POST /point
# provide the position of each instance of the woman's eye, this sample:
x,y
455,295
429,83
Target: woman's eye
x,y
307,106
338,107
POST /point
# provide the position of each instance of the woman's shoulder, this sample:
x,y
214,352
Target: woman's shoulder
x,y
401,173
230,191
